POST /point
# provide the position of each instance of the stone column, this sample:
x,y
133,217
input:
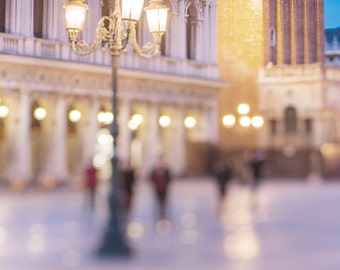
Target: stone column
x,y
21,170
152,139
199,37
25,17
177,149
192,41
212,31
13,16
209,116
181,32
206,48
56,165
90,132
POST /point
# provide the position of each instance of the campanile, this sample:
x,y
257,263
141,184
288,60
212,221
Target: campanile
x,y
293,31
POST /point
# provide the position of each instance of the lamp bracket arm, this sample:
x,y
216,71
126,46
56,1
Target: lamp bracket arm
x,y
81,47
110,35
149,50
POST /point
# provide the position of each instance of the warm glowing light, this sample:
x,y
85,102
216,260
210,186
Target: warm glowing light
x,y
74,116
99,160
132,9
105,117
40,113
245,121
243,108
190,121
157,14
228,120
75,12
104,139
330,149
257,121
135,121
164,121
3,111
163,226
242,244
135,230
132,125
137,118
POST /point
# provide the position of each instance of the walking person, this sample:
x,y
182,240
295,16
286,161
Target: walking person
x,y
91,183
256,165
222,174
128,182
160,177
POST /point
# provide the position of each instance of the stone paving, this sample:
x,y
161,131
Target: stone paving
x,y
287,225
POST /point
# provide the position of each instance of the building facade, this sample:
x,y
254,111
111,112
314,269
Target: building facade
x,y
38,70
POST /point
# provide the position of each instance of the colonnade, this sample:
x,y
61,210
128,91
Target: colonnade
x,y
57,150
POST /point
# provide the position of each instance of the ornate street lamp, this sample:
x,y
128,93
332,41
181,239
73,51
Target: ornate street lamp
x,y
113,33
229,120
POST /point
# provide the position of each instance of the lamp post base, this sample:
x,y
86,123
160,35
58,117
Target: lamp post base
x,y
114,246
114,243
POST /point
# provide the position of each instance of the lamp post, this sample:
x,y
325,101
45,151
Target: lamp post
x,y
113,34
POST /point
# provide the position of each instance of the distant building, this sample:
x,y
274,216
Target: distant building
x,y
275,52
332,47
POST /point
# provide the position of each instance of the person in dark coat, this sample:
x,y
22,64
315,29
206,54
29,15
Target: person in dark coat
x,y
128,182
256,165
223,174
160,177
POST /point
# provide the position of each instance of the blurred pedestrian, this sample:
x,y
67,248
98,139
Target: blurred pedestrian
x,y
160,177
90,175
128,182
256,165
223,174
256,161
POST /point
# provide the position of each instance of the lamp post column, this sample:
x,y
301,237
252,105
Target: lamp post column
x,y
114,241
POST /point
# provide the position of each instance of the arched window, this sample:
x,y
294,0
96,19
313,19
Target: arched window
x,y
2,16
290,120
38,18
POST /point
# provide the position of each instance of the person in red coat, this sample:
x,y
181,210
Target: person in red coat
x,y
91,183
160,177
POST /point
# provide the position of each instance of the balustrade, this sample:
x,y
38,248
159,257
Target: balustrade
x,y
41,48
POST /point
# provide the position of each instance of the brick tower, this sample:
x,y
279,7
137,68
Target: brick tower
x,y
293,31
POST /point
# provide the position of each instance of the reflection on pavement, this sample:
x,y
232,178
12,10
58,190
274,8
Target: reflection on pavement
x,y
240,239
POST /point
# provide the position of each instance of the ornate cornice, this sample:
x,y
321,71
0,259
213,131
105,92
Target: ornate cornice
x,y
52,80
71,79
